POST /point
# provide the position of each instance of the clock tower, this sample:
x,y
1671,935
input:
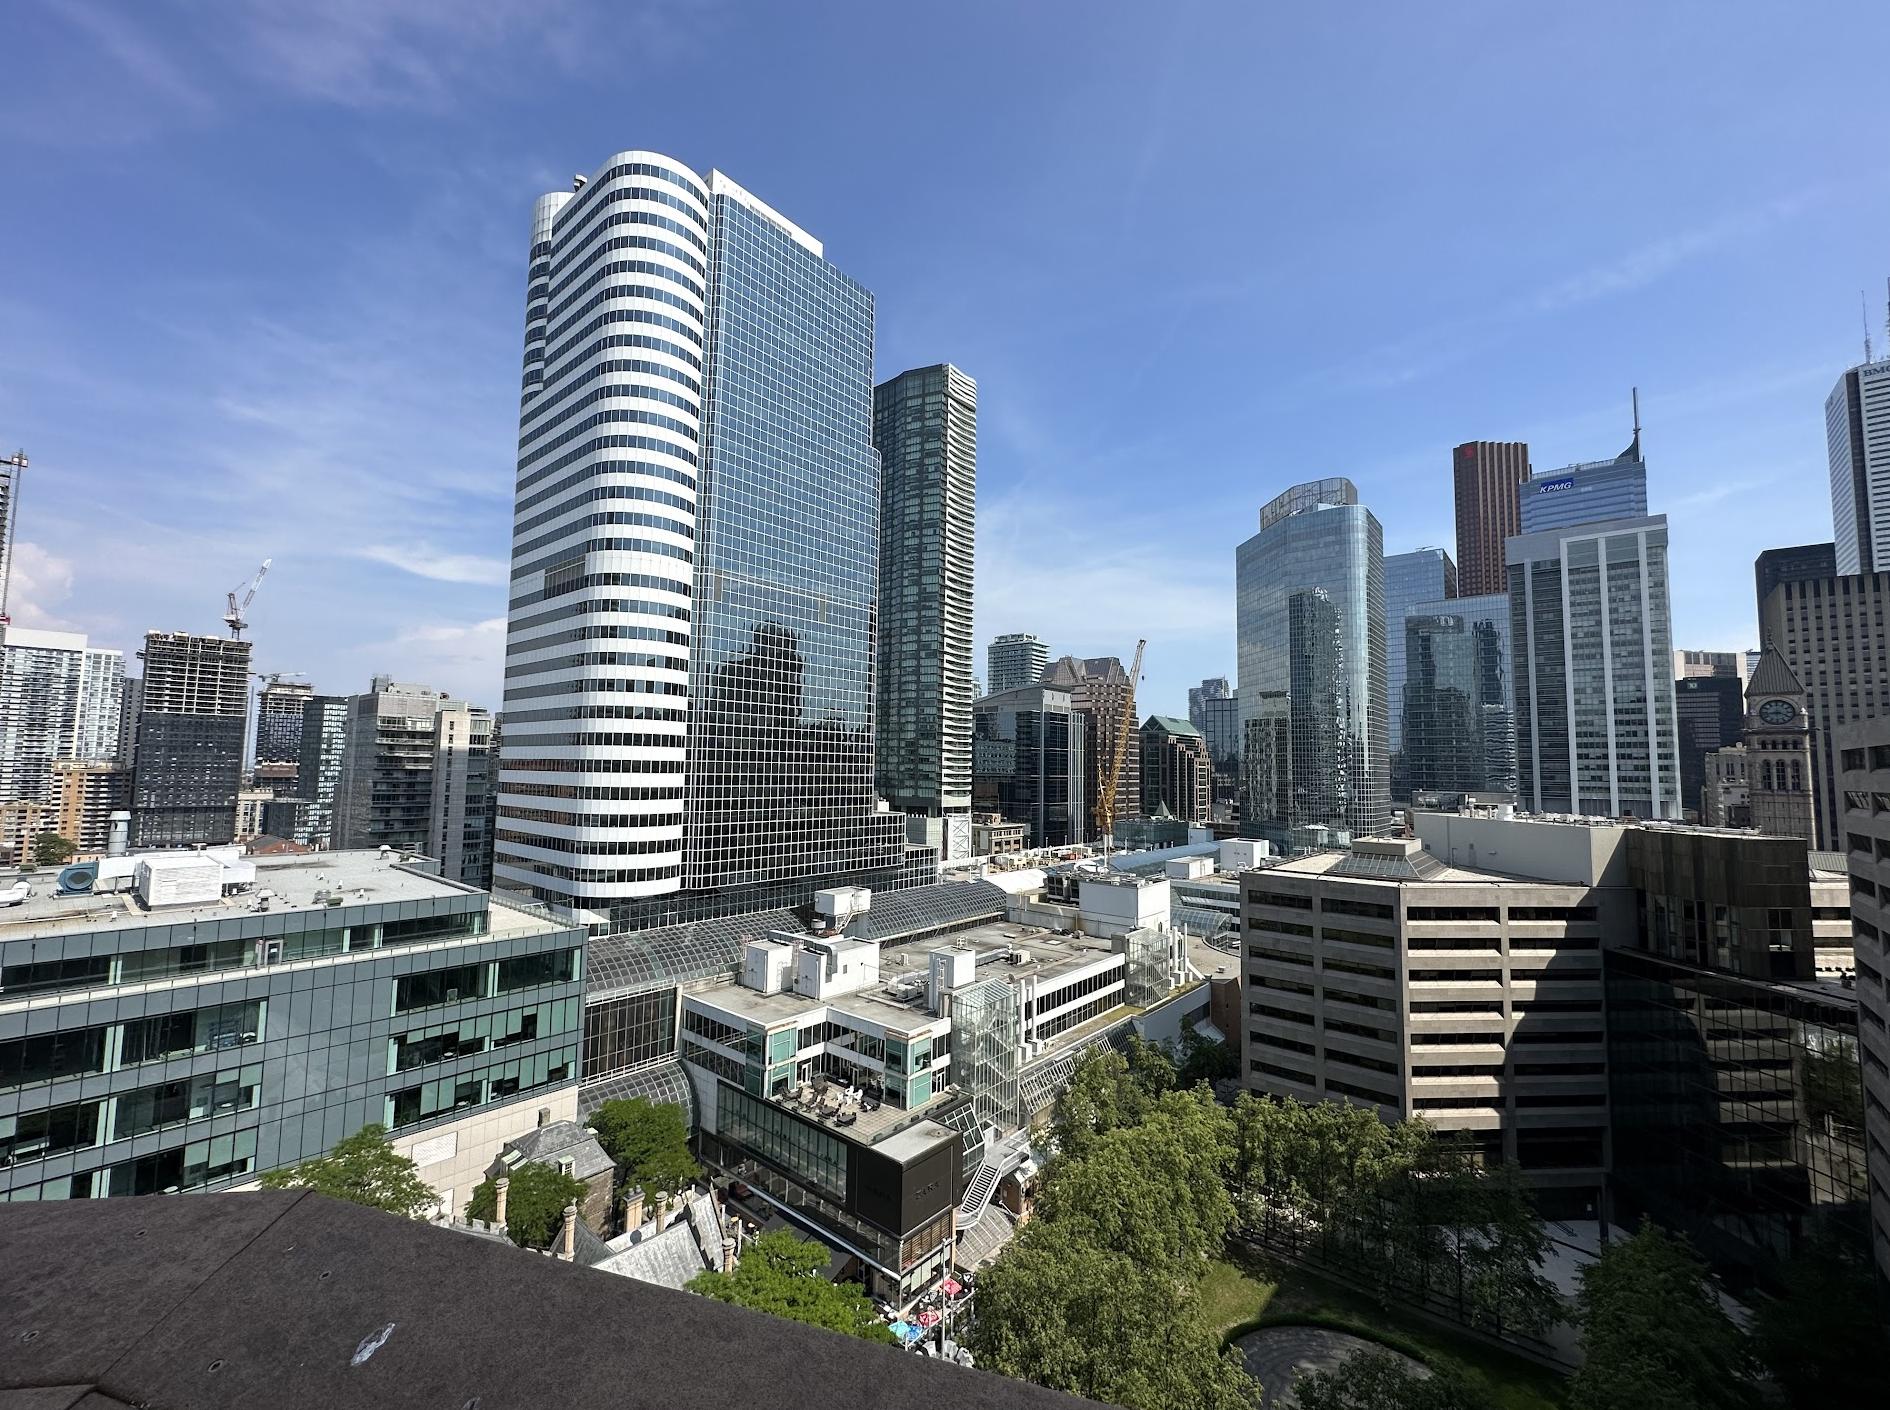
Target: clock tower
x,y
1778,750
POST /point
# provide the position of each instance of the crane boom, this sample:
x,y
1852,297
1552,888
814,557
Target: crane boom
x,y
233,618
1125,721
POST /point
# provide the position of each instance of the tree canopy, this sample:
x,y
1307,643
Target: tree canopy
x,y
785,1276
534,1203
1653,1334
1155,1191
1824,1340
1378,1380
362,1169
648,1141
1061,1310
51,850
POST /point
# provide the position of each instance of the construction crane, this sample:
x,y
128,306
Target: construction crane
x,y
234,617
1106,786
10,512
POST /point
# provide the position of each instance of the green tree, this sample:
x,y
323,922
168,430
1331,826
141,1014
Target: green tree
x,y
1059,1310
51,850
534,1203
1102,1096
1155,1192
648,1141
1203,1059
362,1169
1490,1241
1824,1340
1653,1334
786,1276
1378,1380
1151,1066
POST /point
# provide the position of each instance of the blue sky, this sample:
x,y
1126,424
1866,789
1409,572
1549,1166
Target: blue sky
x,y
264,268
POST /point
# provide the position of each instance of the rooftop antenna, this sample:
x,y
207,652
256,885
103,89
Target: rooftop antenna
x,y
1635,449
1863,308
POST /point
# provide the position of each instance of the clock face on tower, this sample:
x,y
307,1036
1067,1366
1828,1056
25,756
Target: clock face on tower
x,y
1778,712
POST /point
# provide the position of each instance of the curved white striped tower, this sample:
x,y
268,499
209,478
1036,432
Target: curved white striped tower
x,y
597,643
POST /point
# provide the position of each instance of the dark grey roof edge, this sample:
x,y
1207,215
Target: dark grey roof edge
x,y
292,1300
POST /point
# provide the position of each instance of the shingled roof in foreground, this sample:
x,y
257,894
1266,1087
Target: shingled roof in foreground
x,y
289,1300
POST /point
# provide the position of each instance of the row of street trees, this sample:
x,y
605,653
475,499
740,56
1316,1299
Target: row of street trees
x,y
1096,1294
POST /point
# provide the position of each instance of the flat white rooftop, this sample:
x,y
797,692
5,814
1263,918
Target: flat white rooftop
x,y
294,883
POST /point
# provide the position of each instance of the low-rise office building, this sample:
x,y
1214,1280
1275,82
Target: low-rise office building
x,y
875,1078
1397,978
1656,1014
190,1020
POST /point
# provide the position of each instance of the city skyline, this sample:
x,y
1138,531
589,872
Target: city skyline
x,y
257,417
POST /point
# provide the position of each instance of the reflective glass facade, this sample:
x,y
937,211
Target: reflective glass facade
x,y
1585,494
1310,618
780,777
1459,724
1028,757
202,1049
1710,712
1738,1111
1595,728
925,427
1423,575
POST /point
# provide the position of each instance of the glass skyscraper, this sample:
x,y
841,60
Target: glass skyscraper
x,y
689,681
1310,620
1595,723
1423,575
1584,494
1459,723
925,426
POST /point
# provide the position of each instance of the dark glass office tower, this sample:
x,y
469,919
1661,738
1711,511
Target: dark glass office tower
x,y
1423,575
1310,621
925,427
1027,754
1711,711
780,773
1459,729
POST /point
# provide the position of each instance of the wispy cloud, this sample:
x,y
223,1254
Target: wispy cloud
x,y
1644,265
1092,586
463,658
1449,343
423,561
139,55
39,583
425,53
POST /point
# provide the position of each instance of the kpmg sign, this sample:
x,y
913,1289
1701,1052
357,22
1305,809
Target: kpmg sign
x,y
1563,482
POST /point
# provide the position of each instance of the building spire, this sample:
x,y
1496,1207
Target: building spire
x,y
1863,307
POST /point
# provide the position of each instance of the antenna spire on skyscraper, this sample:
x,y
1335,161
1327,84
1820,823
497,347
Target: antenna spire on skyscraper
x,y
1863,308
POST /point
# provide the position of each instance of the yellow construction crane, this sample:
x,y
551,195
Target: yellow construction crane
x,y
1106,786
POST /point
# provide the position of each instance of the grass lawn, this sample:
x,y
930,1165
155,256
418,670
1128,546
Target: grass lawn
x,y
1250,1290
1231,1296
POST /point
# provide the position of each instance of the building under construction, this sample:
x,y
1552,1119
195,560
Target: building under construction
x,y
190,739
